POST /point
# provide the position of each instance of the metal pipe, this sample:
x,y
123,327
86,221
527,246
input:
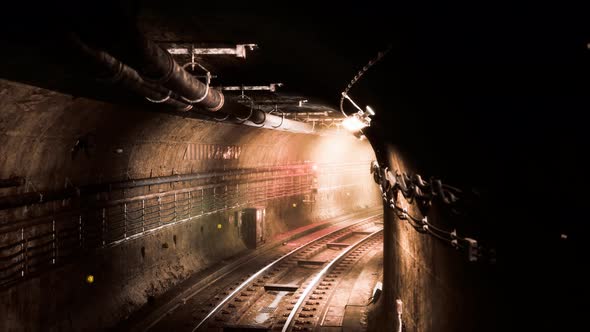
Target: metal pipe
x,y
120,74
14,201
158,66
127,77
14,181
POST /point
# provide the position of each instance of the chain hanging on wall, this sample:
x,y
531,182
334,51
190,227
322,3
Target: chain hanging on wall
x,y
415,189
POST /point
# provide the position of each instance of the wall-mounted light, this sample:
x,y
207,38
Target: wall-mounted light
x,y
359,120
354,123
364,115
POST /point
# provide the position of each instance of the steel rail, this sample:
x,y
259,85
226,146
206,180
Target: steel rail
x,y
191,293
313,283
267,267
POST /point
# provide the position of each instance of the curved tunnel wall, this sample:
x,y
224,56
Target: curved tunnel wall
x,y
441,290
57,141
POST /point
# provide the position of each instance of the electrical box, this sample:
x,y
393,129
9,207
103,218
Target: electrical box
x,y
252,227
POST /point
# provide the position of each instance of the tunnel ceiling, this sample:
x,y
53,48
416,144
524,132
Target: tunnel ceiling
x,y
467,89
311,54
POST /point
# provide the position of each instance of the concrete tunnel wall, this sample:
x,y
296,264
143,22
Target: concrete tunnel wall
x,y
39,128
441,290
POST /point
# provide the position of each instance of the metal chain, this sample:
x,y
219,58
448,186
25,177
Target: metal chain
x,y
412,187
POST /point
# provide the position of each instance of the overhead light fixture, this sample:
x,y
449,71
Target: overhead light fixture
x,y
354,123
362,115
359,120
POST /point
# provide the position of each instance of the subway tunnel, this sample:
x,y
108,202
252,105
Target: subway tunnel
x,y
192,166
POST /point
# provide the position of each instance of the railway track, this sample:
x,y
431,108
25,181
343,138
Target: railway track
x,y
311,307
289,292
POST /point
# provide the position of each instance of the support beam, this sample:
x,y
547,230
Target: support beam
x,y
239,51
158,66
271,87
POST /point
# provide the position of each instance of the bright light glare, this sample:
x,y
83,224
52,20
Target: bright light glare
x,y
370,110
353,124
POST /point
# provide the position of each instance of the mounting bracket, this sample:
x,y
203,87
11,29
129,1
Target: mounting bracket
x,y
239,51
271,87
